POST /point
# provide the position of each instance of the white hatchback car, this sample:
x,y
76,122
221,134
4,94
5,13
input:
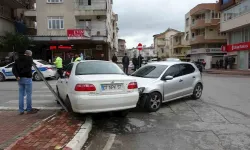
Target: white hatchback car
x,y
47,70
94,86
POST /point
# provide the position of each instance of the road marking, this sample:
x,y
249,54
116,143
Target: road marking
x,y
41,108
33,101
110,142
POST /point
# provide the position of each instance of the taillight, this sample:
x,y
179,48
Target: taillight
x,y
85,87
132,85
67,73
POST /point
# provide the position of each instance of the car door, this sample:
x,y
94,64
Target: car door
x,y
188,77
172,88
8,71
64,81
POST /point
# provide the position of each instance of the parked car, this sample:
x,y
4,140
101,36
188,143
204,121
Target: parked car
x,y
161,82
47,70
94,86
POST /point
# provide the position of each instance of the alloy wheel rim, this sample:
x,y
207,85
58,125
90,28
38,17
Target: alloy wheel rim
x,y
37,77
198,91
155,101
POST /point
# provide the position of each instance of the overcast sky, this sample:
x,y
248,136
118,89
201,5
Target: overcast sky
x,y
139,20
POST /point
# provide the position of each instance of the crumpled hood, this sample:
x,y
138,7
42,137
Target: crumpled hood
x,y
144,82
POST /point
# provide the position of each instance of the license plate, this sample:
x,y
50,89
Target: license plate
x,y
111,87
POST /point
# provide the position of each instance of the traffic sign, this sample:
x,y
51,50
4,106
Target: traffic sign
x,y
139,47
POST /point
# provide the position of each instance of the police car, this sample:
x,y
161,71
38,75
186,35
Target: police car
x,y
48,71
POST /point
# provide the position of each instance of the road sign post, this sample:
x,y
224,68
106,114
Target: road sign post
x,y
139,47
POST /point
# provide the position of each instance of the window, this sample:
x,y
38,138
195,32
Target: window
x,y
150,71
97,67
55,23
186,69
54,1
162,50
187,22
89,2
173,71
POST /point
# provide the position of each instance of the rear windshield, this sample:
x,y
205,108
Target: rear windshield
x,y
150,71
97,67
43,62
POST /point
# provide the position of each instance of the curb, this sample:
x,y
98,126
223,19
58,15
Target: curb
x,y
81,136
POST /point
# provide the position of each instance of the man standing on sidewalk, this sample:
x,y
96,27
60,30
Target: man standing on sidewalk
x,y
125,63
22,69
59,66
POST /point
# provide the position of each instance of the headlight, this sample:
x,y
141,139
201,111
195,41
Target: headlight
x,y
141,90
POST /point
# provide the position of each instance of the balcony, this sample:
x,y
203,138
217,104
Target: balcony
x,y
96,8
202,23
92,32
200,39
161,43
30,13
14,3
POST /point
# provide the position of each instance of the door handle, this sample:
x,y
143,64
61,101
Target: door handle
x,y
194,77
180,80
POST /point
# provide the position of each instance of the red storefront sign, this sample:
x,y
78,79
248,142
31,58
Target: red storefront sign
x,y
236,47
60,47
75,34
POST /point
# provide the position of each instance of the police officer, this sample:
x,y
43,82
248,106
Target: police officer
x,y
59,65
77,58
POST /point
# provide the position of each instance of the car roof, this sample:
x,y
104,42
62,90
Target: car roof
x,y
169,63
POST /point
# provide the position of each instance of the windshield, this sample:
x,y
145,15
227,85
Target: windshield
x,y
97,67
150,71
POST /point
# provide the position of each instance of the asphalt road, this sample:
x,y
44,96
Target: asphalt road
x,y
42,98
220,120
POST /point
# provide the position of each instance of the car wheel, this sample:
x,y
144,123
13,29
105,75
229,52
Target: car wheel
x,y
154,102
36,77
122,113
68,104
197,91
2,77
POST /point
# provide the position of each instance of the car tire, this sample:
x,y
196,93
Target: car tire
x,y
122,113
197,91
2,77
68,104
153,102
36,77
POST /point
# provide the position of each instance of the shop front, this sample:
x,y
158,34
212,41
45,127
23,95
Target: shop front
x,y
241,53
209,55
76,42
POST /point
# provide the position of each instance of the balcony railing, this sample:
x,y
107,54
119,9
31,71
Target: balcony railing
x,y
94,5
93,31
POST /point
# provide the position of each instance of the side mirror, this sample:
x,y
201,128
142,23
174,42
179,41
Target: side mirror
x,y
168,78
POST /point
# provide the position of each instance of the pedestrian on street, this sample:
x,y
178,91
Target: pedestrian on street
x,y
217,64
135,62
125,63
221,63
22,69
226,63
114,59
140,58
59,66
67,60
77,58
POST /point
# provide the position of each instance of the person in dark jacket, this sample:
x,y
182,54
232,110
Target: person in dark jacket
x,y
135,62
140,59
114,59
125,63
22,69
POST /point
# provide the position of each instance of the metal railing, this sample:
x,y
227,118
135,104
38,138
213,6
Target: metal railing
x,y
93,5
93,31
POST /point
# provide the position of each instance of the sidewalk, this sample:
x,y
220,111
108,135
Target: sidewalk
x,y
54,132
228,72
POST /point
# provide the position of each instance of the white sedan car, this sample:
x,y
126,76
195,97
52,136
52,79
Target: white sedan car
x,y
94,86
47,70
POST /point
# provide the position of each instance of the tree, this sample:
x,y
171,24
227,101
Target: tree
x,y
14,42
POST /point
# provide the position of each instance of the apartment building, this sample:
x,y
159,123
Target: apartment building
x,y
235,21
180,46
203,32
11,15
162,43
147,52
67,27
121,47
